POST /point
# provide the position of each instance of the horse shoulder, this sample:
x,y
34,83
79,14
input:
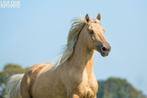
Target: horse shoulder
x,y
30,77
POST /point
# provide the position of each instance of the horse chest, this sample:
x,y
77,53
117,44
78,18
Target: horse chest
x,y
87,89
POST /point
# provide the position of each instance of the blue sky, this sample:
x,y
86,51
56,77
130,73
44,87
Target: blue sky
x,y
37,32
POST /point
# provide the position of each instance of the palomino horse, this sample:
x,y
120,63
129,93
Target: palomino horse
x,y
74,76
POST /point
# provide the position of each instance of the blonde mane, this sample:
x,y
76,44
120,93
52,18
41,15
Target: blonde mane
x,y
77,26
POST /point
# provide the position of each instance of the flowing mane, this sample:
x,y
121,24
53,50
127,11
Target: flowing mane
x,y
77,26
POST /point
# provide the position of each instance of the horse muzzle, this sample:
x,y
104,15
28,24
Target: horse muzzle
x,y
104,49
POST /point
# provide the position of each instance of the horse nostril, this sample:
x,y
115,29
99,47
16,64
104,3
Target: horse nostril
x,y
104,49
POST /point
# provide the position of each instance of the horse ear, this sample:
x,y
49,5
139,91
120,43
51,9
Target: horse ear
x,y
87,17
98,16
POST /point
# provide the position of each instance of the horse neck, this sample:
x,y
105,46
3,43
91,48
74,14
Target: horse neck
x,y
82,58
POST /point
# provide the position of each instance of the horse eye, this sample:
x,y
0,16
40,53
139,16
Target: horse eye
x,y
91,32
